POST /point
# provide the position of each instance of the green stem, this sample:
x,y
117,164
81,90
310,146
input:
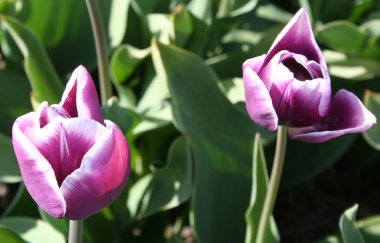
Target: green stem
x,y
75,231
274,183
101,49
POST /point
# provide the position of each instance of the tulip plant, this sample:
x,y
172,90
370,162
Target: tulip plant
x,y
178,145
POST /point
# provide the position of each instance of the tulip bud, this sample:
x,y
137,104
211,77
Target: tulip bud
x,y
73,162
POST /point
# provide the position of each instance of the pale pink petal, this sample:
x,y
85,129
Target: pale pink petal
x,y
258,102
101,177
37,173
80,98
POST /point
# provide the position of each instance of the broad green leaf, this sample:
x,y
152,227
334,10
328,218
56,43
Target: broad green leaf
x,y
9,170
372,102
59,224
41,74
9,7
220,137
64,28
14,98
33,230
355,69
348,229
233,8
8,236
342,36
144,7
22,204
124,62
259,190
166,188
274,13
201,9
299,167
182,25
118,21
370,229
160,26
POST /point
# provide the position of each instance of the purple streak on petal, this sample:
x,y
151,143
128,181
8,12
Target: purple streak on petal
x,y
258,102
309,101
46,141
37,173
347,115
279,76
101,177
297,37
80,98
46,114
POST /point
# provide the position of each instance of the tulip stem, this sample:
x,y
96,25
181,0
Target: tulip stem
x,y
274,183
101,49
75,231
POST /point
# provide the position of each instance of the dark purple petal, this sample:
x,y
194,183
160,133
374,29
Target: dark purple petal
x,y
101,176
258,102
297,37
37,173
347,115
308,102
80,98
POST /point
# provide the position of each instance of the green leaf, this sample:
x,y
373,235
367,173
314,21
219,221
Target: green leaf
x,y
259,190
33,230
372,102
370,229
201,9
220,138
9,170
41,74
233,8
298,169
60,26
14,97
348,229
342,36
8,236
182,25
118,21
124,62
166,188
59,224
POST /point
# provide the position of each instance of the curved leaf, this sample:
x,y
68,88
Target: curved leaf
x,y
42,76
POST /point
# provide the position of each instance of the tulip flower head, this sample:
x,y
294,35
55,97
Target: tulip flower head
x,y
72,161
290,86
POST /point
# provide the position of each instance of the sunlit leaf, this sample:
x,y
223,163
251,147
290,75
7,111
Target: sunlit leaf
x,y
348,228
259,190
45,83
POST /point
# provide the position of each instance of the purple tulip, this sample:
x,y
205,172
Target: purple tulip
x,y
73,162
290,86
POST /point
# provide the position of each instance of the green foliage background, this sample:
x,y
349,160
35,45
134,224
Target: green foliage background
x,y
176,72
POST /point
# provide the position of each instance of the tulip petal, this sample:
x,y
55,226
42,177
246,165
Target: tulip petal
x,y
309,101
37,173
347,115
258,101
101,176
297,37
80,98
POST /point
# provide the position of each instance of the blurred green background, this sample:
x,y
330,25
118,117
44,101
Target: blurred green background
x,y
176,72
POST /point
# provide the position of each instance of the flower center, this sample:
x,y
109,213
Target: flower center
x,y
300,72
